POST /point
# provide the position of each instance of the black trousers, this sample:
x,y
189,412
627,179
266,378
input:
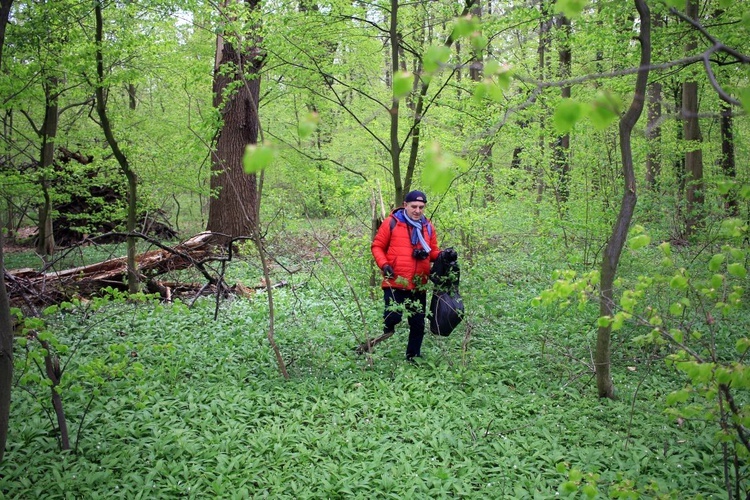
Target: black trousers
x,y
414,303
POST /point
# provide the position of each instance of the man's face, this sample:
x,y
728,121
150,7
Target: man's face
x,y
414,209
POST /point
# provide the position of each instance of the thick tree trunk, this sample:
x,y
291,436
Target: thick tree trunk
x,y
233,210
616,242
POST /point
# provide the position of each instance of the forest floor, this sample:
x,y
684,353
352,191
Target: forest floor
x,y
166,400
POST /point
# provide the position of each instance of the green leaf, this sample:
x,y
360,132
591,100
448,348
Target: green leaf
x,y
307,125
716,261
678,397
570,8
679,282
744,191
717,280
676,309
465,26
745,93
566,115
436,174
590,491
737,270
435,57
666,249
677,4
561,467
257,157
402,84
639,241
604,110
478,42
604,321
742,345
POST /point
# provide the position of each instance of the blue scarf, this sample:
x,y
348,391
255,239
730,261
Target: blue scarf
x,y
416,233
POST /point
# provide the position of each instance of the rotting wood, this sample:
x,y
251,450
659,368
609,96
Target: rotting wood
x,y
31,289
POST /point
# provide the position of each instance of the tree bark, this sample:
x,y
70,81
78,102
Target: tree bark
x,y
6,327
561,148
233,210
6,356
122,160
653,136
728,166
616,242
692,135
45,244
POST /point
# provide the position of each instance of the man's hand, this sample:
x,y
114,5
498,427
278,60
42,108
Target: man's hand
x,y
388,271
450,255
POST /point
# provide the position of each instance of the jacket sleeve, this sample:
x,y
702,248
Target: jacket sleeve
x,y
381,242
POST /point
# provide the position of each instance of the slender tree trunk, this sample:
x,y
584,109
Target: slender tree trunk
x,y
45,244
692,135
122,160
233,210
616,242
6,354
561,149
395,146
728,167
653,136
6,326
545,25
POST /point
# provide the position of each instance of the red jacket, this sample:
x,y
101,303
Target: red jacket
x,y
393,246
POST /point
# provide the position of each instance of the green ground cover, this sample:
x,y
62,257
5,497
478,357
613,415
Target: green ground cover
x,y
505,407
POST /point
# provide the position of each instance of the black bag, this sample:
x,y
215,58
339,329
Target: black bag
x,y
447,311
446,306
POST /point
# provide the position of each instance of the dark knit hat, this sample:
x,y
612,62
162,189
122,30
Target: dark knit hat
x,y
415,196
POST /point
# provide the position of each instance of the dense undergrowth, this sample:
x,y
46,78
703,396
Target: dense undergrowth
x,y
163,401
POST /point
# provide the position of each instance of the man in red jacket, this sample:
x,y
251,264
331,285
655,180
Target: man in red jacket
x,y
403,248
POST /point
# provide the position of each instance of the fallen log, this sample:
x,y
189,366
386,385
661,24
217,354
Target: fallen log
x,y
34,289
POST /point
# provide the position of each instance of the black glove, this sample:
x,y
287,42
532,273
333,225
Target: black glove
x,y
450,255
388,271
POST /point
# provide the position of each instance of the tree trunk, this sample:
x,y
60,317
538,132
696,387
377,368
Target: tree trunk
x,y
653,136
45,244
6,327
545,24
619,234
233,210
692,135
101,110
728,167
561,149
6,356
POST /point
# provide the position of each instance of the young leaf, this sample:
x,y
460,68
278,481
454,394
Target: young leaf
x,y
402,84
639,241
436,174
465,26
737,270
570,8
307,125
566,115
257,157
435,57
604,110
716,261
